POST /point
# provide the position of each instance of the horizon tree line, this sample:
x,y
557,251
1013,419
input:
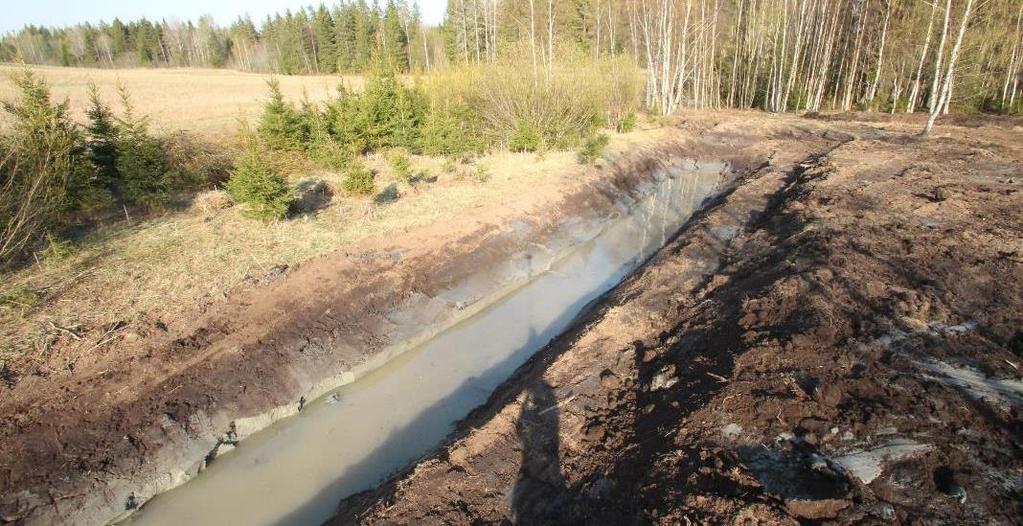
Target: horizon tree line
x,y
348,37
776,55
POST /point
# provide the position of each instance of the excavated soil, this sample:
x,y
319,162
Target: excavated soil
x,y
91,444
836,339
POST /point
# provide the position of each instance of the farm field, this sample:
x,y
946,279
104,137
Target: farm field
x,y
207,101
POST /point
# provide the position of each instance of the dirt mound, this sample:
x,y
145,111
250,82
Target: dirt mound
x,y
837,340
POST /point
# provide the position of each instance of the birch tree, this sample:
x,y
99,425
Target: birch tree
x,y
939,98
911,104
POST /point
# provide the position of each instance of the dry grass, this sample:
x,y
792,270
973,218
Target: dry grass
x,y
202,100
189,259
192,258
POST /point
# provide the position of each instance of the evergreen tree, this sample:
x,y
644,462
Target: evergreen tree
x,y
324,35
416,61
301,32
271,35
394,40
141,165
47,141
89,55
156,43
142,49
364,37
118,36
46,179
281,125
101,140
291,43
265,192
244,38
65,53
345,28
582,20
451,30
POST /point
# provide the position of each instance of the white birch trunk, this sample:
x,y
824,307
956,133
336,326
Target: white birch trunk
x,y
880,54
947,86
915,91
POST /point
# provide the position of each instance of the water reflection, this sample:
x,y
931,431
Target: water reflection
x,y
296,471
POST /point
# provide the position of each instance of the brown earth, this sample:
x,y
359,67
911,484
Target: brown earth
x,y
124,424
810,313
837,339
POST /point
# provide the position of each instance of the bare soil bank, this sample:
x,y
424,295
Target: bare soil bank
x,y
146,415
837,339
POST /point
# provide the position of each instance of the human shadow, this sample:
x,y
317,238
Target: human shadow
x,y
474,400
540,484
540,494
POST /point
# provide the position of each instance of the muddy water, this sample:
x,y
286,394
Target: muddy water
x,y
296,471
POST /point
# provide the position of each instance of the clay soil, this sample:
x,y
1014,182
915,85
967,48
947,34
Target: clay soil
x,y
838,338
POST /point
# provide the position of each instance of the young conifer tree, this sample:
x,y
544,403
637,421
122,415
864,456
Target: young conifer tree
x,y
101,142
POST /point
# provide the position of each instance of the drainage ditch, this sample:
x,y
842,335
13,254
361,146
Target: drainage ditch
x,y
296,470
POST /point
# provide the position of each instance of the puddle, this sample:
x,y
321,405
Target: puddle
x,y
296,471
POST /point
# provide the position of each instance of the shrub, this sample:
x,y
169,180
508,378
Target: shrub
x,y
281,126
56,249
401,165
20,298
525,138
535,111
482,173
194,161
593,148
451,132
253,183
141,167
358,180
102,140
623,91
627,123
42,163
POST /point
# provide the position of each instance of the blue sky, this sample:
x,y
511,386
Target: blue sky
x,y
16,13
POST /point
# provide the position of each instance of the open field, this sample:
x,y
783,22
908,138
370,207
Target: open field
x,y
201,100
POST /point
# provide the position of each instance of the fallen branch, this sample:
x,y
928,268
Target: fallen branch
x,y
557,405
66,330
718,377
